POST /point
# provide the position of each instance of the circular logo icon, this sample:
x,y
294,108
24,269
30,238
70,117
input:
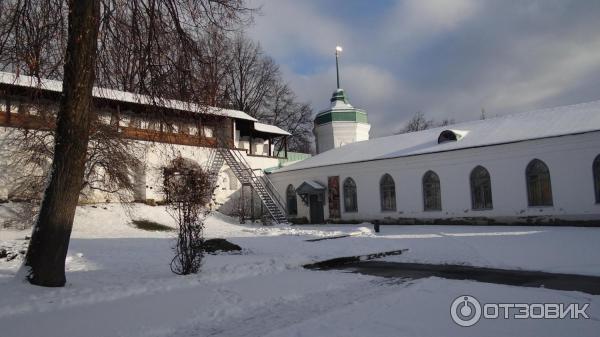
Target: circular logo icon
x,y
465,310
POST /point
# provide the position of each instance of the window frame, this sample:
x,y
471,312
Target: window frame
x,y
472,189
528,182
431,173
345,186
390,184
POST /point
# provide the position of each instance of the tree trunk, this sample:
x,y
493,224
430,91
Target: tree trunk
x,y
52,231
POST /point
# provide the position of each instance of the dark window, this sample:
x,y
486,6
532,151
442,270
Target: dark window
x,y
432,196
447,136
539,188
481,188
387,191
350,204
597,178
292,202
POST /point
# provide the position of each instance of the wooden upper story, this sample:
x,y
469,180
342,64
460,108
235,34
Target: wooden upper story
x,y
28,103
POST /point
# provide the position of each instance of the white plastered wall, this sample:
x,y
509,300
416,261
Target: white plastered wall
x,y
569,159
148,178
158,155
336,134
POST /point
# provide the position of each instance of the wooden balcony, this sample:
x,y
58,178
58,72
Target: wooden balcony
x,y
25,121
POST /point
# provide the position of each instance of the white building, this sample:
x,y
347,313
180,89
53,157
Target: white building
x,y
536,167
179,129
341,124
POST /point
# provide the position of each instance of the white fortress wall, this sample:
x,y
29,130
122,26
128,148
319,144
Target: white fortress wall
x,y
149,177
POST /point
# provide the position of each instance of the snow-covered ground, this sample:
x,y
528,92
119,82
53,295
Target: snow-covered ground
x,y
119,282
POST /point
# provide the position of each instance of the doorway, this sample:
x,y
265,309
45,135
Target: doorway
x,y
316,209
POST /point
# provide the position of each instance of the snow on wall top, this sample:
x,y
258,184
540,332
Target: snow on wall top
x,y
559,121
340,105
122,96
270,129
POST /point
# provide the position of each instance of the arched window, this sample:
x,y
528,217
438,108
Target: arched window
x,y
539,188
432,196
350,203
597,178
292,202
387,192
481,188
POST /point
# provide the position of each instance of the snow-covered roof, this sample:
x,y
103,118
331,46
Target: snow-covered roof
x,y
122,96
270,129
341,105
559,121
309,187
315,184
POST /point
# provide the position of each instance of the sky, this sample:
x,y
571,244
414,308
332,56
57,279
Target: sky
x,y
445,58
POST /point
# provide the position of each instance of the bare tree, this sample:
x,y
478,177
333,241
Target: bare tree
x,y
212,68
33,37
251,76
161,48
160,37
50,238
445,122
255,86
291,115
418,122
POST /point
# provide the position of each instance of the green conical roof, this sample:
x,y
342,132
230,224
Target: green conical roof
x,y
339,95
341,111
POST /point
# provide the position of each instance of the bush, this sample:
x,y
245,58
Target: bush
x,y
188,189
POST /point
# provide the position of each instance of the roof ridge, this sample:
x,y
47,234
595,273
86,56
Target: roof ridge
x,y
456,126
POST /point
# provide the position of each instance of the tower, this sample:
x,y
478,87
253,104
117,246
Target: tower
x,y
342,123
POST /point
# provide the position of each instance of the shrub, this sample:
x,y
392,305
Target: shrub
x,y
188,189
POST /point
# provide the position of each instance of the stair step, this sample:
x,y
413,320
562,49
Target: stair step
x,y
247,176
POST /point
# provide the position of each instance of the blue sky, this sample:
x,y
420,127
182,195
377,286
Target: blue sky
x,y
447,58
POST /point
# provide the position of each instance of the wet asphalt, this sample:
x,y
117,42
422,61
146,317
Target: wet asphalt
x,y
522,278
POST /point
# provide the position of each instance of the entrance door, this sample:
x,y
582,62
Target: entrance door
x,y
316,210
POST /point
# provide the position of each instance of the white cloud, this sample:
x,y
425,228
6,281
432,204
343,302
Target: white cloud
x,y
566,63
364,83
412,23
447,58
287,26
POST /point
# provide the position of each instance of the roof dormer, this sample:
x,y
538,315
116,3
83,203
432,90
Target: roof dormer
x,y
451,136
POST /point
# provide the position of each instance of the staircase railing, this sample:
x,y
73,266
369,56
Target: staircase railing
x,y
269,185
213,167
266,182
261,184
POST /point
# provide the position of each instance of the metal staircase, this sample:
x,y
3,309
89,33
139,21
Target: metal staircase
x,y
215,162
265,190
